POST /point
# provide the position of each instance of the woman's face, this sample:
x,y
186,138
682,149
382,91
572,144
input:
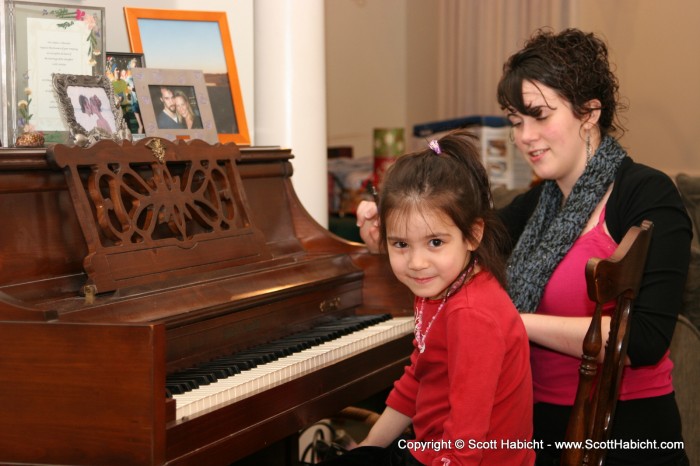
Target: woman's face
x,y
181,106
552,143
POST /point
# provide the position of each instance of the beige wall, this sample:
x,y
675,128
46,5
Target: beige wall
x,y
381,59
655,46
380,68
365,69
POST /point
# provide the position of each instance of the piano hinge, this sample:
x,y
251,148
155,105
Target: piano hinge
x,y
330,305
89,291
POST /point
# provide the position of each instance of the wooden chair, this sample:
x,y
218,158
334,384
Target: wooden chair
x,y
617,277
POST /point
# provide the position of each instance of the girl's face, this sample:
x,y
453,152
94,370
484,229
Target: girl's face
x,y
553,143
427,251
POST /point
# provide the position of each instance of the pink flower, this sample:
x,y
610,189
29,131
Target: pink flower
x,y
90,22
79,15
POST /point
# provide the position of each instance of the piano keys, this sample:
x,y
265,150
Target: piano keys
x,y
268,374
119,271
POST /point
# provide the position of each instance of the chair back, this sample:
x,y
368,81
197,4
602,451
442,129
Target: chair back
x,y
616,278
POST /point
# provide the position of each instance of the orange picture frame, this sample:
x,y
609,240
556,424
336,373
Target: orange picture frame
x,y
156,32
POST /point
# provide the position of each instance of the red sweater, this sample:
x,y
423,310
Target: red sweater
x,y
472,384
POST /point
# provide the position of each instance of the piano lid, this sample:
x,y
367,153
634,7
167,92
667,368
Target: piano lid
x,y
158,211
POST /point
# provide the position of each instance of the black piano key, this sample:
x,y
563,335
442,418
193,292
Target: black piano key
x,y
257,357
241,364
180,385
273,350
281,349
311,340
186,381
191,380
203,377
294,346
176,388
220,369
327,335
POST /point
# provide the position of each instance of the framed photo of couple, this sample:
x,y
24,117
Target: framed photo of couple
x,y
175,104
192,40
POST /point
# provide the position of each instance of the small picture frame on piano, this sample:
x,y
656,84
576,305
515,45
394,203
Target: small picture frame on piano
x,y
118,69
87,104
175,104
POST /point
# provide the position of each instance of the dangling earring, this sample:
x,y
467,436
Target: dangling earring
x,y
589,153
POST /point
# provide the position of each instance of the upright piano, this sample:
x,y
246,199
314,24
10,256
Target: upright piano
x,y
144,287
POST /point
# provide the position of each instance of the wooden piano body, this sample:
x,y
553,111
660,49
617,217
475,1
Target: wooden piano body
x,y
121,263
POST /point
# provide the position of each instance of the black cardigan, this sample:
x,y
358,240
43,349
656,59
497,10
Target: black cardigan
x,y
639,193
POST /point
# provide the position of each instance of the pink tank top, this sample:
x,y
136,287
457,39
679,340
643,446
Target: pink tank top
x,y
555,375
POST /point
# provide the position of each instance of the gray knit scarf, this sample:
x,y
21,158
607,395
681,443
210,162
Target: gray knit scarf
x,y
552,229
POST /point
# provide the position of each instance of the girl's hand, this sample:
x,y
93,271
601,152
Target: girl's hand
x,y
368,222
388,427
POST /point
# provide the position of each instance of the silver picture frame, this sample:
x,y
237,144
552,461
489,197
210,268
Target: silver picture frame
x,y
88,107
44,38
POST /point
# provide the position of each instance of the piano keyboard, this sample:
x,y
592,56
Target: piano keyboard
x,y
276,372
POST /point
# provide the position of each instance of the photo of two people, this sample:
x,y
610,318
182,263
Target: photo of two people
x,y
175,107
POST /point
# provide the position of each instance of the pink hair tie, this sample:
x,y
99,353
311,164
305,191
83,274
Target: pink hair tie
x,y
434,146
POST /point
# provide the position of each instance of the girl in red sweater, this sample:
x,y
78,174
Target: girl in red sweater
x,y
468,389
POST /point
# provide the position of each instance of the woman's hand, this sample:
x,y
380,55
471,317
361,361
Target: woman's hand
x,y
368,222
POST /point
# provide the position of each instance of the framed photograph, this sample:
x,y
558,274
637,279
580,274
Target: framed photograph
x,y
175,104
88,106
118,69
195,40
45,39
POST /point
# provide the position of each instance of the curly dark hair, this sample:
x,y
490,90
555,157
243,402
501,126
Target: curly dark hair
x,y
575,65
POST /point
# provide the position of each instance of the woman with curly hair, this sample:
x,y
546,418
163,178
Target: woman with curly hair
x,y
561,97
